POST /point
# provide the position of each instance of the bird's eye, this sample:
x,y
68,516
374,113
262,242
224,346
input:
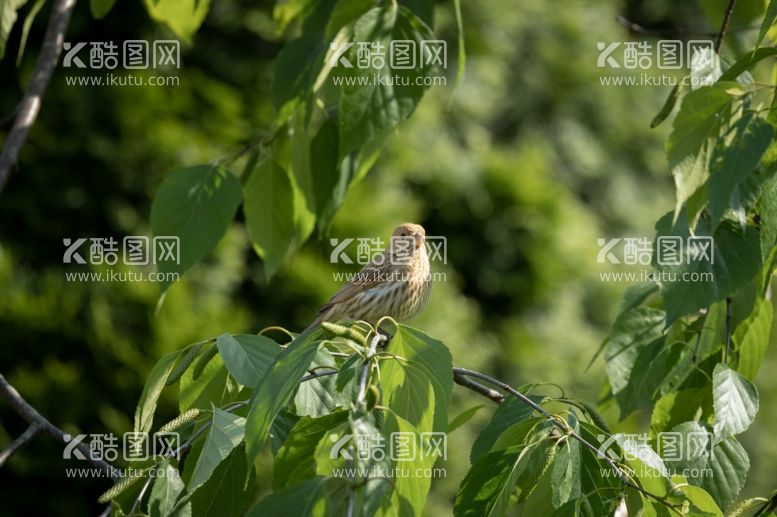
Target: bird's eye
x,y
402,234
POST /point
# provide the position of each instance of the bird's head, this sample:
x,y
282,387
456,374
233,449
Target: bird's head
x,y
410,231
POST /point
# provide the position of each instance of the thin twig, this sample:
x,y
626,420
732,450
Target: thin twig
x,y
31,415
376,339
728,330
641,29
31,101
462,380
695,356
20,442
724,26
562,427
136,503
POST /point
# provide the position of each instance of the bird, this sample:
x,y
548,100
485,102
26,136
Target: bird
x,y
395,283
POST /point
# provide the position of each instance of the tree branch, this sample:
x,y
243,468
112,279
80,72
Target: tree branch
x,y
724,26
462,380
20,442
31,415
29,106
463,372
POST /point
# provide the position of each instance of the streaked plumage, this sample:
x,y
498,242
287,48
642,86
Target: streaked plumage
x,y
395,283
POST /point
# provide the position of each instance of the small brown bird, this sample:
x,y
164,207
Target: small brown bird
x,y
395,283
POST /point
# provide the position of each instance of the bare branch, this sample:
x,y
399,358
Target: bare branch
x,y
463,380
29,107
20,442
31,415
724,26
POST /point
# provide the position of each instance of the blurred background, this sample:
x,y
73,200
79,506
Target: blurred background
x,y
522,170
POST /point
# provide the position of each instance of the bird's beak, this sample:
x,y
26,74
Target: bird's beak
x,y
419,241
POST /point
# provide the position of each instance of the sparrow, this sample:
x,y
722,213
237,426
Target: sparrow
x,y
395,283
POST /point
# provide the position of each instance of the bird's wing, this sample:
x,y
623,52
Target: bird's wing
x,y
371,275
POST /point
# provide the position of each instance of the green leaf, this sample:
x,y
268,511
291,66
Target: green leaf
x,y
488,486
769,221
286,11
680,406
751,338
730,464
565,476
276,388
737,161
509,413
698,282
31,14
410,491
155,383
368,111
269,213
248,357
183,17
330,180
212,387
195,204
462,61
226,432
747,61
633,330
224,493
719,469
8,9
167,487
696,125
735,400
295,461
345,12
769,18
280,430
100,8
675,94
296,69
418,388
464,417
320,396
317,496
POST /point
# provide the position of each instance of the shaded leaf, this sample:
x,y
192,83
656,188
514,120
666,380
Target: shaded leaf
x,y
269,213
276,388
195,204
167,487
697,122
225,433
737,161
248,357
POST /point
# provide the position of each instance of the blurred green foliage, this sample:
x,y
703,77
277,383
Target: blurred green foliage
x,y
521,171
